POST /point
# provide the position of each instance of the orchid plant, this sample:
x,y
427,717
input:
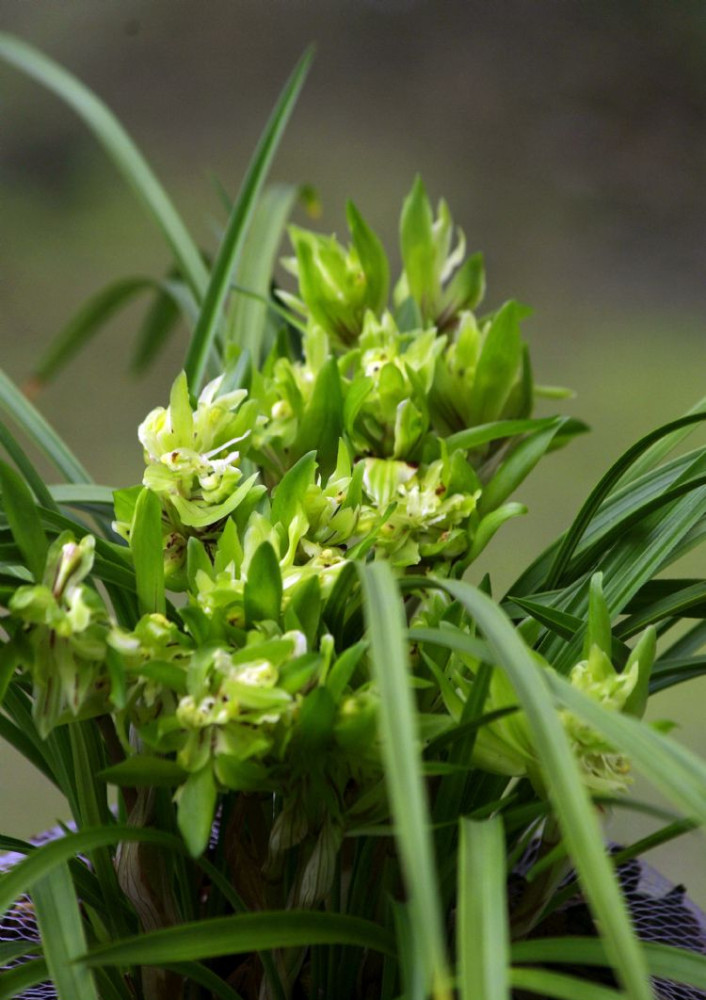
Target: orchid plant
x,y
333,752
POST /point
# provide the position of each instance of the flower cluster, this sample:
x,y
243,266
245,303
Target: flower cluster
x,y
374,430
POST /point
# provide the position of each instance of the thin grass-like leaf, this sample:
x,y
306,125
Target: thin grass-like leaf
x,y
18,456
236,231
240,934
548,985
61,931
25,524
401,754
158,324
520,462
92,316
604,487
24,875
30,420
120,148
482,937
82,495
18,981
247,321
572,806
663,961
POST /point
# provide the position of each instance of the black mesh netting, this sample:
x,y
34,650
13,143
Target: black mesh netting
x,y
661,912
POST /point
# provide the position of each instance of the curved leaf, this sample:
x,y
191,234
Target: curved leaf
x,y
119,146
240,934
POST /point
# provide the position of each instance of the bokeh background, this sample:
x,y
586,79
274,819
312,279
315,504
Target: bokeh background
x,y
568,138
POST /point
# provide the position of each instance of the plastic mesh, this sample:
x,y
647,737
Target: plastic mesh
x,y
661,912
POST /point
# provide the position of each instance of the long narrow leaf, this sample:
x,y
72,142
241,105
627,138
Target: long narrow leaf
x,y
24,875
248,317
119,146
388,652
18,981
93,314
241,934
604,487
18,456
25,524
663,960
236,231
553,984
30,420
482,940
61,931
572,806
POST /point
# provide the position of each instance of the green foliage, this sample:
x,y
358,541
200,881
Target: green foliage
x,y
330,751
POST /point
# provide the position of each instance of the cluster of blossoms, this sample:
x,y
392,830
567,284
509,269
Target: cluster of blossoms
x,y
351,442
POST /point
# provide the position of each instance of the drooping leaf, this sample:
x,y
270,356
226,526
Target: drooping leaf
x,y
119,146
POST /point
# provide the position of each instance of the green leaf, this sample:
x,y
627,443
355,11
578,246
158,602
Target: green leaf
x,y
249,314
476,437
598,632
417,246
159,322
288,496
403,771
119,146
604,487
22,877
26,527
94,313
32,477
498,365
13,402
142,771
243,933
61,931
572,805
664,961
322,424
482,935
518,465
16,982
146,547
196,807
234,237
262,595
554,984
372,257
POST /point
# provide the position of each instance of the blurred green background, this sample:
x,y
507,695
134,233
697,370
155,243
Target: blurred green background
x,y
568,139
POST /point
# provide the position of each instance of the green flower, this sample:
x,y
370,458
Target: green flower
x,y
435,275
67,628
507,747
419,514
193,456
483,373
337,286
390,376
